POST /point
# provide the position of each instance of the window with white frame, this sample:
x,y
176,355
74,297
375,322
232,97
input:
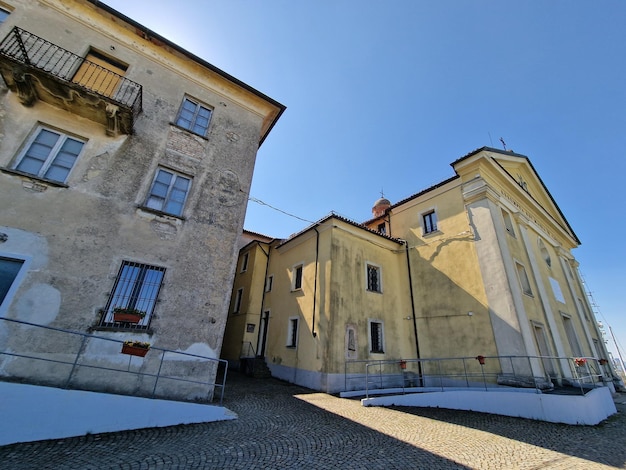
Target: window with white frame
x,y
136,288
508,223
429,221
168,192
268,283
238,297
244,262
373,278
292,332
50,155
523,279
296,282
194,116
377,336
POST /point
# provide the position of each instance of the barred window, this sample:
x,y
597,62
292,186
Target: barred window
x,y
376,337
136,289
373,278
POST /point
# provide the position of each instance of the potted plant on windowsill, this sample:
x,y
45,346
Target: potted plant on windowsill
x,y
127,315
135,348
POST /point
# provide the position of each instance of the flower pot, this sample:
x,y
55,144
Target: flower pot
x,y
126,318
134,350
402,365
481,360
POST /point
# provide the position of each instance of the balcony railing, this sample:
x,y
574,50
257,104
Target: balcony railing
x,y
36,55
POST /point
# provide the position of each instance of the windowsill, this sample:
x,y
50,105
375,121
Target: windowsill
x,y
529,294
374,291
433,233
188,131
57,184
160,213
290,347
299,289
377,352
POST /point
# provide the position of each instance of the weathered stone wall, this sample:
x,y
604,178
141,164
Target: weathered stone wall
x,y
75,238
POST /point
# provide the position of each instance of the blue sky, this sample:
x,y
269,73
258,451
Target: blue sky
x,y
385,95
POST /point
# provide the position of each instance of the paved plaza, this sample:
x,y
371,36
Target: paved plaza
x,y
282,426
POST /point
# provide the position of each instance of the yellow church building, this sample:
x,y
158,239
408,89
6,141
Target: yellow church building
x,y
480,264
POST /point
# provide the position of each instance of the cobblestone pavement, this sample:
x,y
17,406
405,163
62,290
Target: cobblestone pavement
x,y
282,426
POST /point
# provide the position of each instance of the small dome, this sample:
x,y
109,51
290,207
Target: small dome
x,y
380,206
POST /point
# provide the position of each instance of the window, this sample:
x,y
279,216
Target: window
x,y
583,308
194,117
3,15
50,155
238,297
376,337
292,333
523,279
382,228
571,335
100,73
508,223
297,278
268,283
430,222
136,287
168,192
244,262
373,278
9,268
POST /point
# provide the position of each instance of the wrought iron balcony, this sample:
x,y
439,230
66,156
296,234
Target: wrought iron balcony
x,y
37,69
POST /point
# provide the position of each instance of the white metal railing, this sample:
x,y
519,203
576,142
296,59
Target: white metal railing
x,y
80,347
569,374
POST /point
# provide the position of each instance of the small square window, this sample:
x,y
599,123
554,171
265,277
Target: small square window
x,y
297,277
168,192
136,288
373,278
382,228
50,155
292,333
244,262
376,337
194,117
430,222
238,297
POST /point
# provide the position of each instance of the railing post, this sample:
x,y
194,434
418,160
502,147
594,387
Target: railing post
x,y
156,379
80,350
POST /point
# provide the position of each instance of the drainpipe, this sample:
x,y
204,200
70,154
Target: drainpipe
x,y
317,250
417,345
267,265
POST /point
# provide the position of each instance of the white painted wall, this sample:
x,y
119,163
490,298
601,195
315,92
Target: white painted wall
x,y
590,409
31,413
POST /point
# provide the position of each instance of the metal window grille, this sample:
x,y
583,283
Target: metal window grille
x,y
376,335
137,287
373,280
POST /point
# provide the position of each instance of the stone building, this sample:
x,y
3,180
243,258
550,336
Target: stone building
x,y
125,164
480,264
